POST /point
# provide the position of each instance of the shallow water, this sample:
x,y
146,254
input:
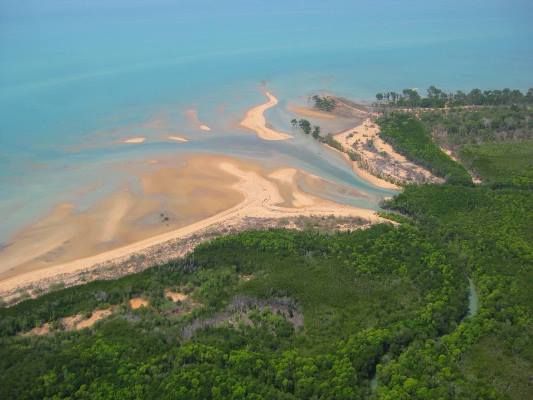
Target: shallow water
x,y
77,77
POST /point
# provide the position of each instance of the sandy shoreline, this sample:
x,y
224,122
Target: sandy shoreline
x,y
255,121
257,194
379,163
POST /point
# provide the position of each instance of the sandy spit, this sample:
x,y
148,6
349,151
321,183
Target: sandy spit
x,y
255,121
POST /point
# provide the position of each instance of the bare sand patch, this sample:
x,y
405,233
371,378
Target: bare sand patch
x,y
255,121
96,316
39,330
138,302
205,128
134,140
175,296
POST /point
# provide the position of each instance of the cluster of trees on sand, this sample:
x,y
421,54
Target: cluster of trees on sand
x,y
324,103
437,98
305,126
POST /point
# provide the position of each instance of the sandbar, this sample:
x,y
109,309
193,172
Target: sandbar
x,y
255,121
175,138
135,140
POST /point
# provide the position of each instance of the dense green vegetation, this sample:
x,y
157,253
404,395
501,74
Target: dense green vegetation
x,y
490,230
360,295
437,98
410,138
502,164
459,126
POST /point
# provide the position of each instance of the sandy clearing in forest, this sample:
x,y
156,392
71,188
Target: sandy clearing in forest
x,y
72,323
138,302
94,318
175,296
255,121
252,191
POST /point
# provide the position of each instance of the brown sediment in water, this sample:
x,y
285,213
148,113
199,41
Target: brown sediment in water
x,y
310,112
194,120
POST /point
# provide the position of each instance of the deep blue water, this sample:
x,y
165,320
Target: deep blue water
x,y
73,71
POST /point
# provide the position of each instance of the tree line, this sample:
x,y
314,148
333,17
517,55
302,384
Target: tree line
x,y
437,98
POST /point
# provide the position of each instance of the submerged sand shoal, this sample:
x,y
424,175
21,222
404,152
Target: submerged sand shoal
x,y
176,201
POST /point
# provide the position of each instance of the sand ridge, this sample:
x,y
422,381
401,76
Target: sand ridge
x,y
255,121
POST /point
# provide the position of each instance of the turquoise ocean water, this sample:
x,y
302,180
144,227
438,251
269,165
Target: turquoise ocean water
x,y
75,75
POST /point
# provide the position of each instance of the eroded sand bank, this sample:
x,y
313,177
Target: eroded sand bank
x,y
176,201
255,121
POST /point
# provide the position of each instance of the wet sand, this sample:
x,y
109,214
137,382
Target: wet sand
x,y
255,121
172,201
